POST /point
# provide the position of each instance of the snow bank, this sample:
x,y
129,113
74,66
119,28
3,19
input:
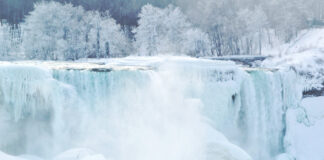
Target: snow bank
x,y
127,63
79,154
305,133
72,154
4,156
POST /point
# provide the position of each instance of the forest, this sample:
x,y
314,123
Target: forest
x,y
74,29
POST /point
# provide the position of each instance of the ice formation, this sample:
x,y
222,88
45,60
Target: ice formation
x,y
144,109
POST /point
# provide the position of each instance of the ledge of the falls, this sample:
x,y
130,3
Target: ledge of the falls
x,y
247,60
152,63
131,63
88,66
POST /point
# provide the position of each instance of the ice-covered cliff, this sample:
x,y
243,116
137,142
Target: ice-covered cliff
x,y
144,108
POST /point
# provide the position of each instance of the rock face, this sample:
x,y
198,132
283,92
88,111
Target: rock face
x,y
243,60
314,93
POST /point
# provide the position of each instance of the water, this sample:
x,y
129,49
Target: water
x,y
182,109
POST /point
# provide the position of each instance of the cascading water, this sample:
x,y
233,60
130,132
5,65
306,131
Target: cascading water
x,y
178,110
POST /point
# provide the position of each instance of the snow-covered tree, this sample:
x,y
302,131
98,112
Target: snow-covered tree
x,y
4,40
106,37
252,25
233,26
63,32
287,17
175,27
149,30
10,41
165,31
54,31
196,43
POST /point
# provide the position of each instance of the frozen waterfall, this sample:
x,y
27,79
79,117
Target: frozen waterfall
x,y
154,109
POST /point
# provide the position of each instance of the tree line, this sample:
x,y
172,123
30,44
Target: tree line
x,y
73,29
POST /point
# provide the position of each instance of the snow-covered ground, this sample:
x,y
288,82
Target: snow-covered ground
x,y
307,40
305,133
305,55
73,154
4,156
135,63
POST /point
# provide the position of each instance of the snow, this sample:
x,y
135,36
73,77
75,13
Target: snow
x,y
128,63
305,55
65,65
4,156
305,130
285,156
79,154
72,154
307,40
135,63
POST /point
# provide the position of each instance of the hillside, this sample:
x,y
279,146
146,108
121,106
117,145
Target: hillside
x,y
305,55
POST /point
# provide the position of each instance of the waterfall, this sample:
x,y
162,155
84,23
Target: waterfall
x,y
178,109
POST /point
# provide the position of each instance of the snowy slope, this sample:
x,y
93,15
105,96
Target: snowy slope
x,y
307,40
305,55
4,156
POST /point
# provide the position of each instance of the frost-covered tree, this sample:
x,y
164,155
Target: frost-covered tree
x,y
175,27
10,41
196,43
54,31
287,17
106,37
149,31
124,11
63,32
166,31
233,26
316,13
252,26
4,40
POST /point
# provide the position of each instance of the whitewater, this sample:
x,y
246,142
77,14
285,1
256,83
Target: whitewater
x,y
141,108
